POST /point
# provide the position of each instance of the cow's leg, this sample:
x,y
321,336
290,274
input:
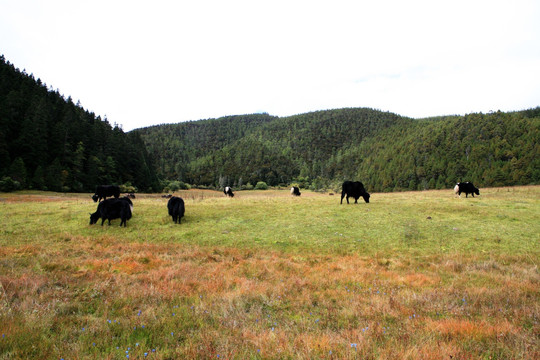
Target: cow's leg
x,y
342,196
102,221
356,200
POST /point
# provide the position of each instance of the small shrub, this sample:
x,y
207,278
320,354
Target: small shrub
x,y
176,185
261,185
127,188
7,184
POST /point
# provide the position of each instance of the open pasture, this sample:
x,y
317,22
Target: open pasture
x,y
265,275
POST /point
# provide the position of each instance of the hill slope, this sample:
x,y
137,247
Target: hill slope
x,y
49,143
321,149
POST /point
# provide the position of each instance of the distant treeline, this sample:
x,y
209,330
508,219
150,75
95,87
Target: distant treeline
x,y
321,149
49,143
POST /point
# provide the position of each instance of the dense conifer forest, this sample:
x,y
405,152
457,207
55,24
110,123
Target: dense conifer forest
x,y
321,149
49,143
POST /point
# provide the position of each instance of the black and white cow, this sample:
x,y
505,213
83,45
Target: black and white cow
x,y
228,191
295,191
354,189
111,209
176,209
467,188
104,191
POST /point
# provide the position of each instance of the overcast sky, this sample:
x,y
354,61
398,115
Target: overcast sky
x,y
141,63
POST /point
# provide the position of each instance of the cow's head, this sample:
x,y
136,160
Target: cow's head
x,y
366,196
476,191
95,197
94,218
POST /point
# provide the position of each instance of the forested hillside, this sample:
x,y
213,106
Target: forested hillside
x,y
174,147
49,143
321,149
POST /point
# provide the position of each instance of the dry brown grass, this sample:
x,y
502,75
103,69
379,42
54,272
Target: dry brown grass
x,y
247,303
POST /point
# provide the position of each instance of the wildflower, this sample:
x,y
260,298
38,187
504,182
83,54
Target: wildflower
x,y
145,354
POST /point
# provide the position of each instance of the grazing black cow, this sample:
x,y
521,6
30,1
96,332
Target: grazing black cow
x,y
104,191
168,196
354,189
228,191
111,209
130,195
295,191
467,188
176,209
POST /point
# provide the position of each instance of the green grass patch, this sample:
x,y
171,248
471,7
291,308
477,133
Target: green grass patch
x,y
271,276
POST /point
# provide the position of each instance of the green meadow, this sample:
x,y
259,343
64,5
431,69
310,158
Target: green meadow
x,y
264,275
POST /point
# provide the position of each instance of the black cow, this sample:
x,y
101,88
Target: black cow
x,y
111,209
228,191
467,188
104,191
354,189
128,200
176,209
295,191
